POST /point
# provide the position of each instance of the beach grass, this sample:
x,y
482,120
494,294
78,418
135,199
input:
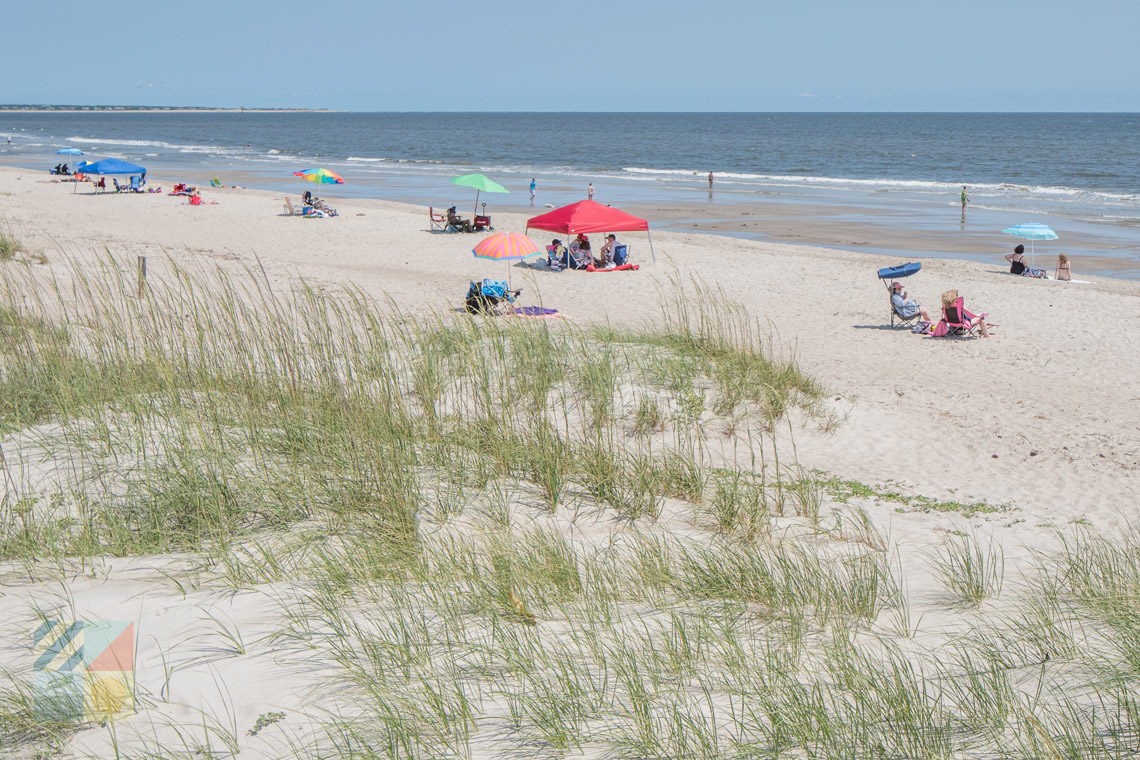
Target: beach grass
x,y
502,537
9,247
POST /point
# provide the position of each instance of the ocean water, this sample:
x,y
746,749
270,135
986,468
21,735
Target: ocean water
x,y
1057,168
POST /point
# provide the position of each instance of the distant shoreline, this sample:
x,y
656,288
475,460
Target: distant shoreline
x,y
150,109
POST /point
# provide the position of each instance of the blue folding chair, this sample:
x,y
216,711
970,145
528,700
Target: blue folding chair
x,y
490,297
894,273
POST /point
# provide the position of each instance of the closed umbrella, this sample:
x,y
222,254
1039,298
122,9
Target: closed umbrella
x,y
480,183
1031,231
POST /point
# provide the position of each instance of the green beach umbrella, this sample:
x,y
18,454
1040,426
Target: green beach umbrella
x,y
480,183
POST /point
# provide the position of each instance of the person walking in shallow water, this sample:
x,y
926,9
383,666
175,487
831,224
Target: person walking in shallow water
x,y
590,191
710,181
533,188
965,199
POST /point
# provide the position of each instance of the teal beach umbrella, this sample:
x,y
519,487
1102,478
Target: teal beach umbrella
x,y
1031,231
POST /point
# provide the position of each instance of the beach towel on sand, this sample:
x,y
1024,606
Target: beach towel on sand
x,y
535,311
622,268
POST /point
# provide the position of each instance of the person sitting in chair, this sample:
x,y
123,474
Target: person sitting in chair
x,y
456,222
606,254
579,253
949,310
558,255
904,308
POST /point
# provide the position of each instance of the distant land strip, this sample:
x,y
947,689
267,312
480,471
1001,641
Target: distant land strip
x,y
211,109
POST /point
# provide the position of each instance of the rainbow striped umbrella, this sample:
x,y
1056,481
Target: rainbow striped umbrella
x,y
505,245
322,176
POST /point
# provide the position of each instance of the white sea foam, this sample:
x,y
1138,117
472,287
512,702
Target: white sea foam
x,y
796,180
207,149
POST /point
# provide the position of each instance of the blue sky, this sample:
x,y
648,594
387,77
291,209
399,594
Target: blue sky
x,y
591,55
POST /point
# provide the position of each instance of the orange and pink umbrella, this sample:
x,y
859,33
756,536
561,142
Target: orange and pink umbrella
x,y
505,245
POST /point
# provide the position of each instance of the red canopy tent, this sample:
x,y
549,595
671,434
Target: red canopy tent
x,y
587,217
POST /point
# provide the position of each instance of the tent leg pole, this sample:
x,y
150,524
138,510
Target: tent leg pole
x,y
651,251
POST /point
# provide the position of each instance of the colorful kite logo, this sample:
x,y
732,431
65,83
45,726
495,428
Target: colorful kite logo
x,y
84,671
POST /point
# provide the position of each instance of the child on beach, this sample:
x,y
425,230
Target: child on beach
x,y
1063,272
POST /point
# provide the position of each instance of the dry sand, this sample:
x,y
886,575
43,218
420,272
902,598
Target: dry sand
x,y
1043,418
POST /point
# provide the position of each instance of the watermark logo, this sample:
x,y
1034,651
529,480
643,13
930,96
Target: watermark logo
x,y
84,671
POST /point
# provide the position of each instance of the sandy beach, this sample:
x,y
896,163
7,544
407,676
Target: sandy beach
x,y
1040,422
940,416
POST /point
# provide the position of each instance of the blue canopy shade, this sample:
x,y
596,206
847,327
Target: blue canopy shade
x,y
902,270
69,152
113,166
1031,231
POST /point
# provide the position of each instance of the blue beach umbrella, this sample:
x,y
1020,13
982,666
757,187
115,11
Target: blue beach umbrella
x,y
1031,231
69,152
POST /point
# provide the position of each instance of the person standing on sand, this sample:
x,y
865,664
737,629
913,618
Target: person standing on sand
x,y
965,199
590,192
533,188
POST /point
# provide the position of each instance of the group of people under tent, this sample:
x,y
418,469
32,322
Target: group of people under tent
x,y
579,255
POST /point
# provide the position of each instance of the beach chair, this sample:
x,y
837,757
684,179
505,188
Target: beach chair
x,y
490,297
289,210
456,223
621,254
898,320
136,184
437,220
888,274
119,188
959,322
580,258
555,261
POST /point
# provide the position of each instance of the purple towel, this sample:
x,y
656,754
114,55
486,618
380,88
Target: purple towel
x,y
534,311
